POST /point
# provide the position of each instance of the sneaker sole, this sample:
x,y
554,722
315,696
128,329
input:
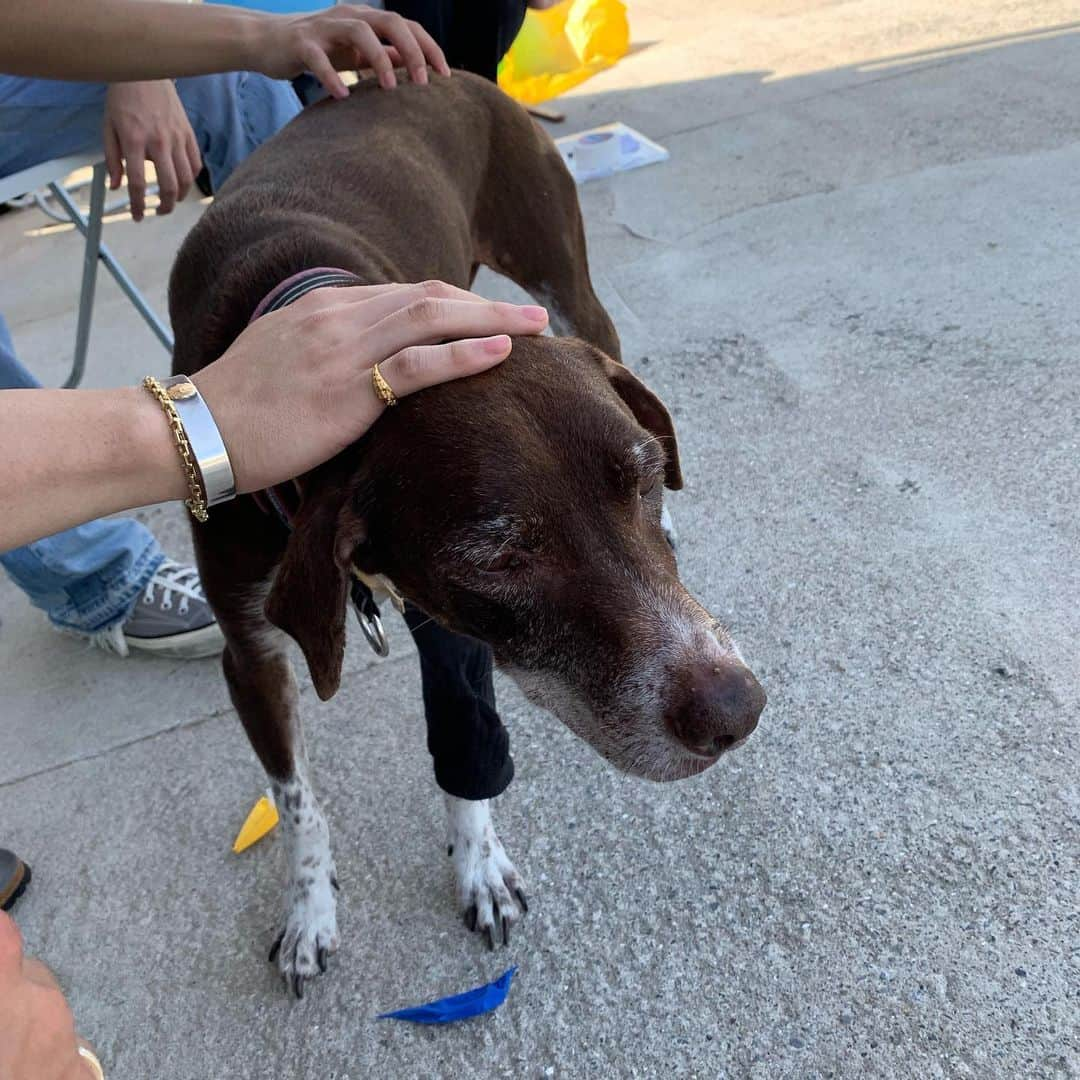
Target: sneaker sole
x,y
7,900
190,645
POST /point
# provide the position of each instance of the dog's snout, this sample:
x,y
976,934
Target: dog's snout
x,y
715,705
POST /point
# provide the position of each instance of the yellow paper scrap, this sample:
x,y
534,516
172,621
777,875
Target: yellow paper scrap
x,y
260,821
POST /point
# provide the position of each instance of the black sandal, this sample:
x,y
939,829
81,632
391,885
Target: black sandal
x,y
14,877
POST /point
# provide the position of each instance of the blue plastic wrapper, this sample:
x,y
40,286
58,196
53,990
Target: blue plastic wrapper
x,y
476,1002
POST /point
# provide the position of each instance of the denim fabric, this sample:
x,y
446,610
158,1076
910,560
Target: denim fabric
x,y
86,578
231,115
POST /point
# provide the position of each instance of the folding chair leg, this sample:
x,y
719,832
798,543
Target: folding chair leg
x,y
89,274
95,250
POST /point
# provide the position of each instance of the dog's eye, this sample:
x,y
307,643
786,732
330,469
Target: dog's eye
x,y
505,560
650,485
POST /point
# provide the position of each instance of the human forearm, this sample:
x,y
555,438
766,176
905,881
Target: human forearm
x,y
292,391
127,39
109,450
141,40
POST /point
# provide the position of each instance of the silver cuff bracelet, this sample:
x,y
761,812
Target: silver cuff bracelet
x,y
211,457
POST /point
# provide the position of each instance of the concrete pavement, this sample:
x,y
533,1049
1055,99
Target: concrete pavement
x,y
855,285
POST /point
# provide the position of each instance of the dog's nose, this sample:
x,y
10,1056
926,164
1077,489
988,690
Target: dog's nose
x,y
715,705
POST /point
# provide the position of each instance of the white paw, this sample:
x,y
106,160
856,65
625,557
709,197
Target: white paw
x,y
310,933
490,890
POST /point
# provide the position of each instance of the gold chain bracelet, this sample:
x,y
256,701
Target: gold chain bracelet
x,y
197,503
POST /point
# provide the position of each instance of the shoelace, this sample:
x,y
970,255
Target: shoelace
x,y
171,578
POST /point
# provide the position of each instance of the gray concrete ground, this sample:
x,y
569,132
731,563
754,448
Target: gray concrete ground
x,y
855,284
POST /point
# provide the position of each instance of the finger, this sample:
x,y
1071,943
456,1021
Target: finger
x,y
114,160
134,158
368,45
36,972
166,181
432,50
184,175
400,34
193,154
11,945
381,300
318,63
421,366
428,320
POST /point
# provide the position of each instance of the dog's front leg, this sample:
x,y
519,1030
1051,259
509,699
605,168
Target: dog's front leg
x,y
309,931
490,890
263,689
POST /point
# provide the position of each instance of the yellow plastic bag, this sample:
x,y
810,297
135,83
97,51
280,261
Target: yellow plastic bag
x,y
559,48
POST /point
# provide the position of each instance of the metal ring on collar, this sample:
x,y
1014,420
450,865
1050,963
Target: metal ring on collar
x,y
372,626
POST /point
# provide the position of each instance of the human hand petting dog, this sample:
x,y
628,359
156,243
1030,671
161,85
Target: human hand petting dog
x,y
346,38
157,39
296,387
37,1031
293,390
145,121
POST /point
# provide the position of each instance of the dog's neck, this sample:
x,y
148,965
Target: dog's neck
x,y
282,500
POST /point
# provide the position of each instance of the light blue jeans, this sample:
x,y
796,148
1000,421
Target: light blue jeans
x,y
88,578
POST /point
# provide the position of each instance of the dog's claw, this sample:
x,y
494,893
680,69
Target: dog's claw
x,y
276,946
490,938
470,917
298,986
522,901
334,883
320,958
449,850
506,930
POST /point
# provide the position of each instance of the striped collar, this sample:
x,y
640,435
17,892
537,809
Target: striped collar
x,y
292,288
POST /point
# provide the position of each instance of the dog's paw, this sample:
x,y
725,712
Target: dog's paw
x,y
490,890
309,935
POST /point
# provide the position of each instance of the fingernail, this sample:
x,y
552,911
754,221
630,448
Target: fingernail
x,y
497,346
537,314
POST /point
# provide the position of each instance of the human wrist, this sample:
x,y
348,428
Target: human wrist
x,y
258,36
154,461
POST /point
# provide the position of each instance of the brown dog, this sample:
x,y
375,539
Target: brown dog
x,y
521,507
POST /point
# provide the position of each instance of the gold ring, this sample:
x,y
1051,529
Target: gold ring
x,y
90,1058
382,388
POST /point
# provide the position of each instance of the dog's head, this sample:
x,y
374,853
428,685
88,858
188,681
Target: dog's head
x,y
522,507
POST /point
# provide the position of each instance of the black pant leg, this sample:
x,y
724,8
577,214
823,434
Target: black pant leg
x,y
474,34
469,745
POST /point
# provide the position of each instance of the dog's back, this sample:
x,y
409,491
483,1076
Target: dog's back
x,y
400,185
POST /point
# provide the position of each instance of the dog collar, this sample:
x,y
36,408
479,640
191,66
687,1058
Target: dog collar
x,y
292,288
282,500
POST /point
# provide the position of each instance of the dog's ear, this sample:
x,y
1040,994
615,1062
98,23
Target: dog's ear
x,y
650,413
311,590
